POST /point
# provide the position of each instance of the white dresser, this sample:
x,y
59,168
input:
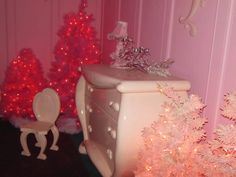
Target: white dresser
x,y
114,105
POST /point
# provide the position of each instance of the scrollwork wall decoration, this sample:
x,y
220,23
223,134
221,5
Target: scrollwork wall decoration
x,y
187,22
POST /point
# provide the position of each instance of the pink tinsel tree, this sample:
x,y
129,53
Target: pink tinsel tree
x,y
171,143
218,156
24,78
174,145
77,45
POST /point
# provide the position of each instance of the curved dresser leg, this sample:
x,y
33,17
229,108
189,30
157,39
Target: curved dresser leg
x,y
82,148
55,133
23,141
43,143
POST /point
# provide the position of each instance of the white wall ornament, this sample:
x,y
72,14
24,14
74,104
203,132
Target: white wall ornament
x,y
187,22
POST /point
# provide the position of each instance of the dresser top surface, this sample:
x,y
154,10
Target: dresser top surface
x,y
123,74
108,77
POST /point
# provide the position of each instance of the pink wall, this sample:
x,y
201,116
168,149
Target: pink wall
x,y
3,40
227,77
194,55
146,24
109,17
207,60
34,24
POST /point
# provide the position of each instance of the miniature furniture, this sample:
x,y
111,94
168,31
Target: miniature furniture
x,y
114,105
46,107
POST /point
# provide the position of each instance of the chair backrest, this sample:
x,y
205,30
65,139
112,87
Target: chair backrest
x,y
46,105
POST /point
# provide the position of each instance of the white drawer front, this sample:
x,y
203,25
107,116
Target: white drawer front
x,y
106,99
102,130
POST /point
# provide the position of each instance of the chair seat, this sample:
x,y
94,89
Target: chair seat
x,y
37,126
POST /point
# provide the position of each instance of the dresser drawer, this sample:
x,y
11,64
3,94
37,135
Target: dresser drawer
x,y
102,131
106,99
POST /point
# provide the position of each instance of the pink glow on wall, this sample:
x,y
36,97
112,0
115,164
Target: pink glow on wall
x,y
3,40
153,27
110,16
34,24
193,55
207,60
227,82
130,16
190,53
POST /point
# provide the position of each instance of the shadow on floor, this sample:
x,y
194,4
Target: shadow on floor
x,y
66,162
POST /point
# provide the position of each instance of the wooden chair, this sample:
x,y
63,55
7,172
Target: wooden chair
x,y
46,107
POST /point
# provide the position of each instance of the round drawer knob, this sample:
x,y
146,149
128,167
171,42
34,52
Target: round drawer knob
x,y
89,109
109,129
111,132
90,128
90,88
114,106
109,153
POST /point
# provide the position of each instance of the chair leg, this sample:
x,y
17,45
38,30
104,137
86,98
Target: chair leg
x,y
43,143
37,144
55,133
23,141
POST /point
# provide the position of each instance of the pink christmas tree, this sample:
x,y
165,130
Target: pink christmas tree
x,y
77,45
171,143
175,145
24,78
218,156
